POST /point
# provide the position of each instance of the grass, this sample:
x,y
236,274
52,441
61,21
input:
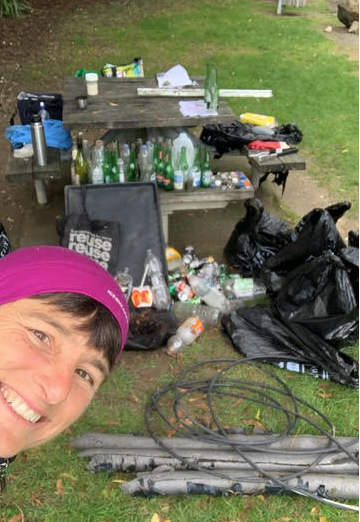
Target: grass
x,y
314,87
51,483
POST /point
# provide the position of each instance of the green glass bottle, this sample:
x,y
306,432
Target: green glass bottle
x,y
107,166
168,183
114,172
214,89
161,168
206,171
81,165
131,168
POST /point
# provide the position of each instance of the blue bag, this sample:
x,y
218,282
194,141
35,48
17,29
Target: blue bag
x,y
55,135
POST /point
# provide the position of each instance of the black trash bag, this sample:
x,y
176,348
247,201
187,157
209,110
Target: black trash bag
x,y
235,135
150,329
256,238
319,295
350,257
260,332
5,246
314,234
353,238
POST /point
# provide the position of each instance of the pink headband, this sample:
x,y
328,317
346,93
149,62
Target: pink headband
x,y
38,270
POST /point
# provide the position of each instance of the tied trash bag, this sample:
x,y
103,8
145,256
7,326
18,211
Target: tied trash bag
x,y
5,246
319,295
262,333
256,238
315,233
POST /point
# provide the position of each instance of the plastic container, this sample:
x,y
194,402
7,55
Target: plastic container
x,y
185,335
183,140
210,295
207,314
257,119
92,81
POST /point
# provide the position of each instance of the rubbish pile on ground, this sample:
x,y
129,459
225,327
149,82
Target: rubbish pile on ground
x,y
207,457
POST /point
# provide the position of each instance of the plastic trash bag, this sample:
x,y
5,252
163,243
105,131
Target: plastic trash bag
x,y
150,329
319,295
256,238
261,332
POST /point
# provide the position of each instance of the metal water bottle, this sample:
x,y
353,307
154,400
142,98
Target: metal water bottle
x,y
38,139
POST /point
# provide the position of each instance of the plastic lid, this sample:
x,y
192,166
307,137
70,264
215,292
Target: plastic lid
x,y
91,77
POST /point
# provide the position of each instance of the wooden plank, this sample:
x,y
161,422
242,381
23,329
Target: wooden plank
x,y
199,93
291,162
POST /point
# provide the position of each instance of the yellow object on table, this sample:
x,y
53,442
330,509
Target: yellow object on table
x,y
258,119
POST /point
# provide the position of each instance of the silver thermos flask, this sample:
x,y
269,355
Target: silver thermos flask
x,y
38,139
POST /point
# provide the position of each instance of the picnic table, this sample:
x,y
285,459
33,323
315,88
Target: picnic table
x,y
122,113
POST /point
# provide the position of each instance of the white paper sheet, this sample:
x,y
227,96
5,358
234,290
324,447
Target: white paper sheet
x,y
177,76
196,108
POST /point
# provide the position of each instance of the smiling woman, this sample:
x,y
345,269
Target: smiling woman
x,y
63,324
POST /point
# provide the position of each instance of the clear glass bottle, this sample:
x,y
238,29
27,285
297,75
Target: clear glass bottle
x,y
125,281
214,89
97,175
195,171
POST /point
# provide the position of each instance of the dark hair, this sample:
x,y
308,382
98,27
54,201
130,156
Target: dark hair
x,y
100,324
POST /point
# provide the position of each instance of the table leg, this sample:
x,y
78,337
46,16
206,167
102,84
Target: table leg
x,y
279,7
40,189
255,177
165,225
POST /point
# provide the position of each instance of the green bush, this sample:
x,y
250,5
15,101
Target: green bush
x,y
13,8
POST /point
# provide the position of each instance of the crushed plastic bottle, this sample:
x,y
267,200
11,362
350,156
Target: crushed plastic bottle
x,y
185,335
207,314
210,295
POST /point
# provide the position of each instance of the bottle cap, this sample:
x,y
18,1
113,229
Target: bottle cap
x,y
36,118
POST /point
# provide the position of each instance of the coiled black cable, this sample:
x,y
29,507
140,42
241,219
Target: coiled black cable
x,y
219,385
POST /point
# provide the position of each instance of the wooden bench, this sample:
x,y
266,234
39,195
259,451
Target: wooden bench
x,y
27,170
272,164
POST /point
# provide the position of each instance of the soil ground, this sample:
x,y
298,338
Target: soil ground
x,y
29,224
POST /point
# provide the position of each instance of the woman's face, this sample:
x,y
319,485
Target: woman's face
x,y
48,373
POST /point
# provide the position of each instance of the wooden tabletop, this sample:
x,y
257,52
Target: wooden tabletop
x,y
118,106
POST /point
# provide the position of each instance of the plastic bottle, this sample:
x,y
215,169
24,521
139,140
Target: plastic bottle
x,y
125,281
207,314
44,115
159,288
210,295
185,335
121,169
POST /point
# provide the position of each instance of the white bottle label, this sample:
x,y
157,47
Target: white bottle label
x,y
178,180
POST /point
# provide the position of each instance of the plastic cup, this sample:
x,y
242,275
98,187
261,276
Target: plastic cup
x,y
92,84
